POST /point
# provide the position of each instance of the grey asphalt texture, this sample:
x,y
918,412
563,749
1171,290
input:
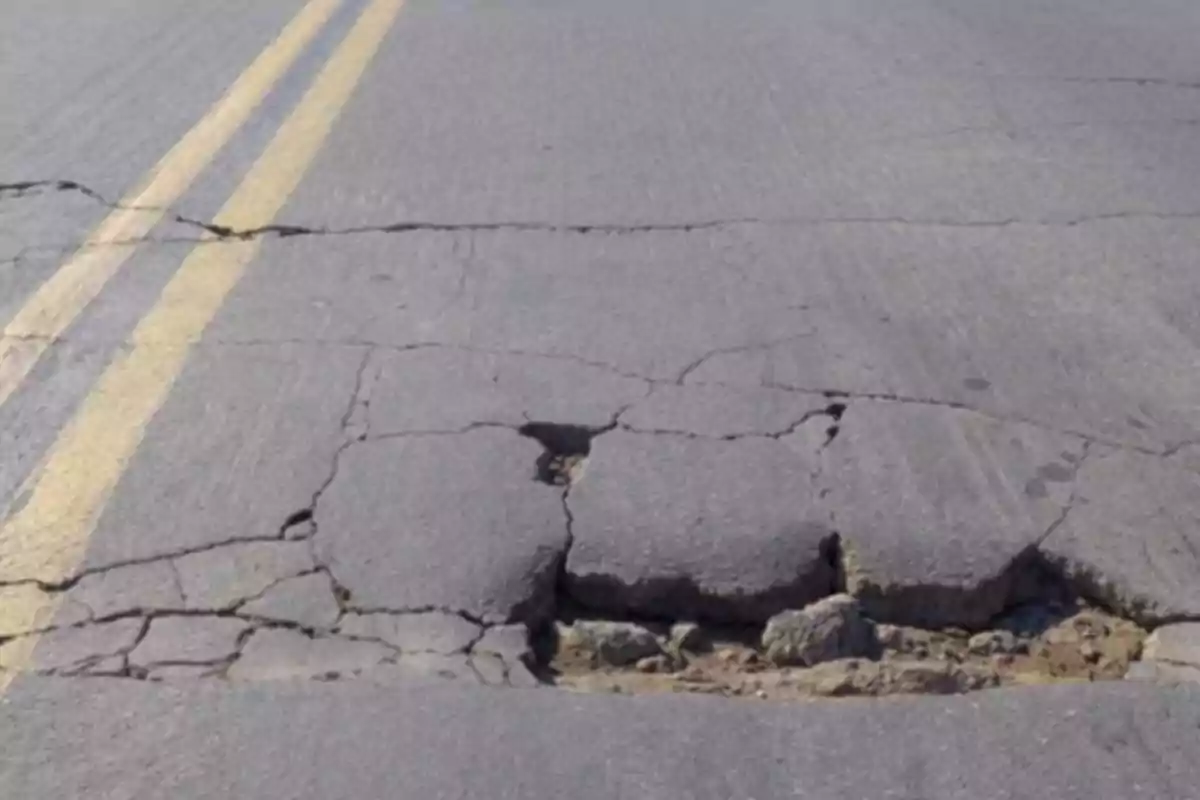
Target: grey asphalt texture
x,y
911,285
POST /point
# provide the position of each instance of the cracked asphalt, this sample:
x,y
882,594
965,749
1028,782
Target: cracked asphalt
x,y
350,344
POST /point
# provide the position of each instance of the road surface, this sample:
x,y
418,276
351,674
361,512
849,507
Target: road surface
x,y
349,344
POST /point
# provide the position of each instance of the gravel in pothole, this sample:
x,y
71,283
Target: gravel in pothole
x,y
830,649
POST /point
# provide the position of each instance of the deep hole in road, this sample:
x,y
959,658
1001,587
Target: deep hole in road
x,y
833,648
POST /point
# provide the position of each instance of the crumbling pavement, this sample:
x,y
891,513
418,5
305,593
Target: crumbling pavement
x,y
658,506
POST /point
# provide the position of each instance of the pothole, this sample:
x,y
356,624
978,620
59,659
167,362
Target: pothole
x,y
566,448
832,649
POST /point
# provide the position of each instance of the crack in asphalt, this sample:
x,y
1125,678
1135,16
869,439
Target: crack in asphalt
x,y
1169,83
53,587
236,606
408,611
307,515
20,189
694,365
833,412
1085,452
689,226
411,434
894,397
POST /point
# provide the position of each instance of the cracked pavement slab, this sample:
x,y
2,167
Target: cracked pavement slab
x,y
278,654
669,526
445,389
77,649
188,640
431,631
273,417
936,507
1133,536
429,522
120,592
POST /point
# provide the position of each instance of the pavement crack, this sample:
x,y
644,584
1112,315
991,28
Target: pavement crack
x,y
1169,83
236,607
834,412
473,426
1071,500
691,367
284,231
177,581
895,397
560,597
21,189
298,525
70,581
463,614
33,188
306,517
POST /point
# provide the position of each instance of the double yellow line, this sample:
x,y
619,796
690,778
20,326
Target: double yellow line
x,y
44,541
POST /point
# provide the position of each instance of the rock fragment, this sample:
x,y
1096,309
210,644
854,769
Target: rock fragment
x,y
858,677
826,630
1178,643
1170,655
996,642
1162,672
920,643
688,636
602,643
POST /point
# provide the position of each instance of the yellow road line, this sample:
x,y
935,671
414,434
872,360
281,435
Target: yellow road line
x,y
45,540
80,279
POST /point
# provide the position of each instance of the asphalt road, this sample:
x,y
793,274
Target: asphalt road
x,y
300,299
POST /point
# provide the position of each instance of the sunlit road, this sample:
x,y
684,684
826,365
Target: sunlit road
x,y
352,348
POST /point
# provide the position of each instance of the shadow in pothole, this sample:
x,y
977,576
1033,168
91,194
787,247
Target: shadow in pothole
x,y
565,449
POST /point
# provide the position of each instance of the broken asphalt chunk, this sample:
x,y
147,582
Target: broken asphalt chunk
x,y
939,510
1132,539
452,522
671,527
